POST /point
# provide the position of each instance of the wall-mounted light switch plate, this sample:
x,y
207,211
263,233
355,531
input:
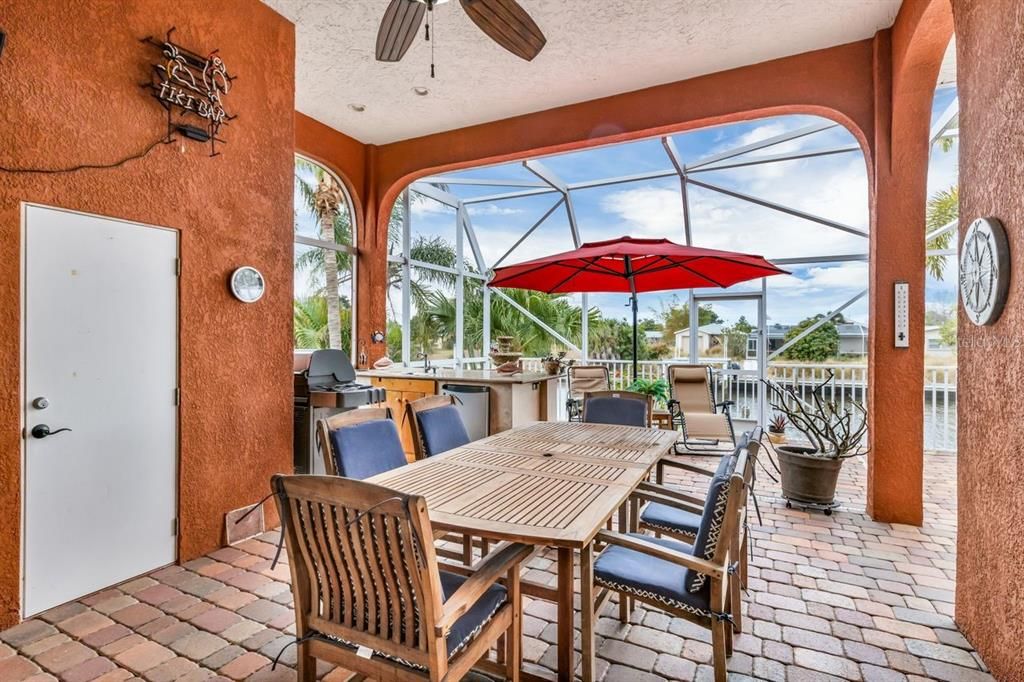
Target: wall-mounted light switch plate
x,y
901,312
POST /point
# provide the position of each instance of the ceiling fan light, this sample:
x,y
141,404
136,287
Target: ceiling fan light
x,y
358,108
421,91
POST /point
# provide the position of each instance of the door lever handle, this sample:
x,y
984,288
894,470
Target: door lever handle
x,y
42,431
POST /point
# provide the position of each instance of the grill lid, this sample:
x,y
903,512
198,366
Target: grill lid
x,y
327,367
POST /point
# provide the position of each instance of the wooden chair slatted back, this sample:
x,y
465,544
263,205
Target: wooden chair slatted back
x,y
363,564
341,420
690,386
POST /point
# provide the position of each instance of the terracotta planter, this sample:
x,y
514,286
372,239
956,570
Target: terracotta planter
x,y
777,438
552,366
806,477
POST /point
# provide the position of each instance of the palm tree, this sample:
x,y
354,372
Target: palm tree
x,y
326,202
943,208
310,323
435,250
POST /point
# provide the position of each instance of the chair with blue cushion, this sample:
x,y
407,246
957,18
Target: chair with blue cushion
x,y
436,425
623,408
678,515
360,443
370,596
689,581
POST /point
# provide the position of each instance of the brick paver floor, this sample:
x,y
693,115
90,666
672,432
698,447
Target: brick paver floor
x,y
838,597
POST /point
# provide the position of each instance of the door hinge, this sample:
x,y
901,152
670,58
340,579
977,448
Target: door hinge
x,y
177,397
177,267
174,526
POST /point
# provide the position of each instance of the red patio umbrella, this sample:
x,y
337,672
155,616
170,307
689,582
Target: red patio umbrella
x,y
633,266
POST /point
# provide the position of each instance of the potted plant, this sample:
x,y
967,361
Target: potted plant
x,y
656,388
777,428
553,364
810,471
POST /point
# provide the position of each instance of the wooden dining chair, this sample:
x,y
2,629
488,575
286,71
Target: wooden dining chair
x,y
669,512
692,582
360,443
706,425
584,379
624,408
370,597
437,427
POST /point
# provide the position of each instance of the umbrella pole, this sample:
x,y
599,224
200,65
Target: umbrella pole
x,y
636,344
628,263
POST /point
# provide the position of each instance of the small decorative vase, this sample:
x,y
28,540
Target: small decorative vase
x,y
552,366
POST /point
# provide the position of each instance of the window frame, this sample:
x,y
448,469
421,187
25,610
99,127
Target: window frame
x,y
351,249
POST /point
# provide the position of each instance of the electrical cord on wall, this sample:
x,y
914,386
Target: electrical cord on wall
x,y
86,166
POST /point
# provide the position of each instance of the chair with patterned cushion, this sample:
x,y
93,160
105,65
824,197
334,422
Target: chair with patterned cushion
x,y
678,515
584,379
624,408
689,581
369,594
436,425
360,443
706,425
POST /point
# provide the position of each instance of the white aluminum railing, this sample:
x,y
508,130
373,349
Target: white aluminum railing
x,y
850,384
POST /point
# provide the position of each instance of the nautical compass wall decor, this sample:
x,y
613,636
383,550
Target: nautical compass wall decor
x,y
984,271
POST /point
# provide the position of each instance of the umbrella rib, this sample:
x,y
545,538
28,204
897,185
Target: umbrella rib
x,y
565,281
534,269
649,267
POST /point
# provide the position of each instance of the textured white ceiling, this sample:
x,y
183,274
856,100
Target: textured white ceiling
x,y
594,49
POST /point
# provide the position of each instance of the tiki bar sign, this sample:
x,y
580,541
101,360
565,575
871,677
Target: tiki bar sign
x,y
192,89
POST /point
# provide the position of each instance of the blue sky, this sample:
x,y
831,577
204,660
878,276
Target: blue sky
x,y
833,186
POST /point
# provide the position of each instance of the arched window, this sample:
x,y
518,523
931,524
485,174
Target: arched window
x,y
325,259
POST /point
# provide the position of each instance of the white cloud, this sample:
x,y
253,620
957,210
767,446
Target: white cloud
x,y
492,209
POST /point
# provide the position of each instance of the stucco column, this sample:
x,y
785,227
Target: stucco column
x,y
907,61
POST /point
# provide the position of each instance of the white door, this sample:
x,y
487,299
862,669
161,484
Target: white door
x,y
101,359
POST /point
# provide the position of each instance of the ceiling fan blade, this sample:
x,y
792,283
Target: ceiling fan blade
x,y
398,29
507,24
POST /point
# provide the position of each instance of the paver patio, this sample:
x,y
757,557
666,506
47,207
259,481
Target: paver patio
x,y
838,597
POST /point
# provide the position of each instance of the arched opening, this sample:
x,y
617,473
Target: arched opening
x,y
791,187
325,259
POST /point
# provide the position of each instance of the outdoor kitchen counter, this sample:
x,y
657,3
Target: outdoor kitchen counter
x,y
475,376
516,399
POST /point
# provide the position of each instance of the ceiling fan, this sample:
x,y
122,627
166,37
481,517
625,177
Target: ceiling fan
x,y
504,21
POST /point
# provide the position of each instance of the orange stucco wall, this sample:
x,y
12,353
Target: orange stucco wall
x,y
70,95
990,544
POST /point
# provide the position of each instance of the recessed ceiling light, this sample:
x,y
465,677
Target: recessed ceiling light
x,y
358,108
421,91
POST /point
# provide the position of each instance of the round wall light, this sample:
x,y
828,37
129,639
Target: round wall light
x,y
247,284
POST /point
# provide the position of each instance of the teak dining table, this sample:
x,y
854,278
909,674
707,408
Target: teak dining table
x,y
548,484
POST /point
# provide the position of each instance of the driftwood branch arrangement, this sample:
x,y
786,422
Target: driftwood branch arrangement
x,y
835,432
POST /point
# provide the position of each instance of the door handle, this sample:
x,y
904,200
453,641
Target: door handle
x,y
42,431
